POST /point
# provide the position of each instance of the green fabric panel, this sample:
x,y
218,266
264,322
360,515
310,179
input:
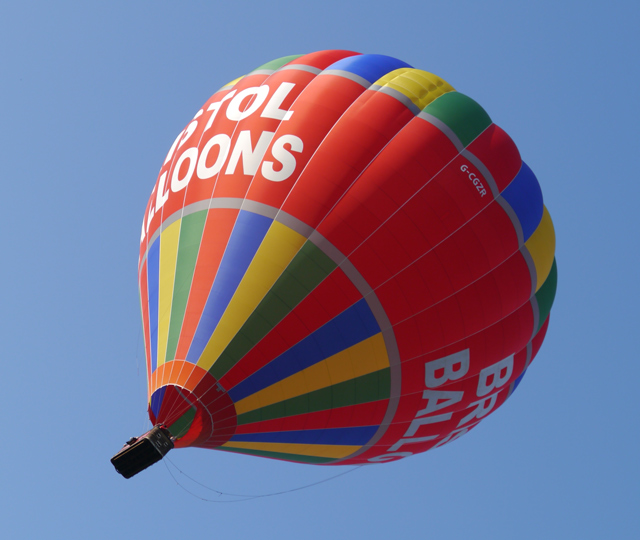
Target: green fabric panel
x,y
305,272
308,268
278,62
278,455
464,116
547,293
371,387
188,247
182,424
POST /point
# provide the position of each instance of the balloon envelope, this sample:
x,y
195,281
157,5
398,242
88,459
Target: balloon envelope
x,y
343,261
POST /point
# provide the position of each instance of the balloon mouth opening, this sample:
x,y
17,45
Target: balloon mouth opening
x,y
182,413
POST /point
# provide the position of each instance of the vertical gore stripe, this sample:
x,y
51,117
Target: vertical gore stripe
x,y
370,67
243,243
350,327
525,198
156,400
278,248
546,294
144,303
461,114
279,455
278,63
189,245
317,450
371,387
182,424
542,246
421,87
359,435
217,229
153,272
362,358
308,268
168,255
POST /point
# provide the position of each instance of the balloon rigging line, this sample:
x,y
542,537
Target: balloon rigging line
x,y
245,497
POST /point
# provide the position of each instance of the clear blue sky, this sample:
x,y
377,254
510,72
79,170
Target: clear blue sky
x,y
94,93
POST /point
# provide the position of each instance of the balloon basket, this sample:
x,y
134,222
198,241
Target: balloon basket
x,y
141,452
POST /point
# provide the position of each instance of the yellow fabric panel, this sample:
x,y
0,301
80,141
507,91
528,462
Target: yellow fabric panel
x,y
542,247
365,357
278,248
231,83
317,450
421,87
168,256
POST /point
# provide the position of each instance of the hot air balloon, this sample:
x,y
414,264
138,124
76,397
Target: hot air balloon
x,y
343,261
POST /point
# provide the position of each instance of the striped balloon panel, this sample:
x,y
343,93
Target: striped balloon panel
x,y
325,232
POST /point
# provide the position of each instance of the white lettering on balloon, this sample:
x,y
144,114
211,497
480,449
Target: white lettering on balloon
x,y
474,180
437,373
217,154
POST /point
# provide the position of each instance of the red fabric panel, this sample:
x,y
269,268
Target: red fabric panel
x,y
364,129
215,235
316,110
335,294
363,414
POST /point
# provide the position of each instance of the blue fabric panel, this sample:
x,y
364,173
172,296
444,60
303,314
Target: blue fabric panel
x,y
156,400
369,66
350,327
338,436
153,276
525,197
246,237
517,381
